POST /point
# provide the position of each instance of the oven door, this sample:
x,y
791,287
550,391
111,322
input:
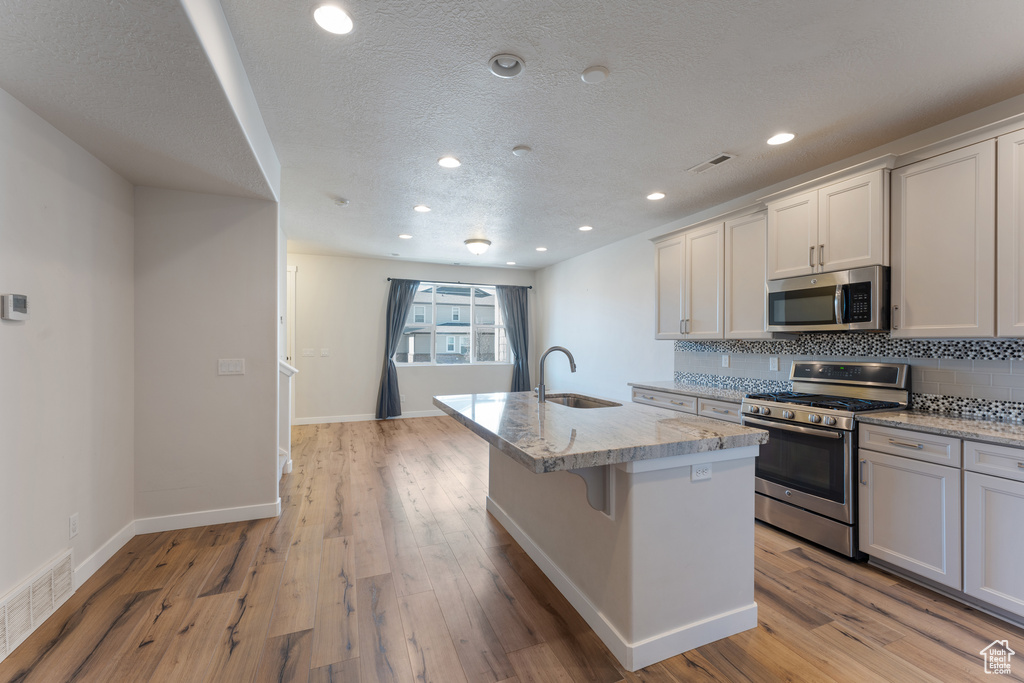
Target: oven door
x,y
809,467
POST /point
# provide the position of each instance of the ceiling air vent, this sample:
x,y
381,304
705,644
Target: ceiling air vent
x,y
711,163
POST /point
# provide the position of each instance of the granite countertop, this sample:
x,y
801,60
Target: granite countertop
x,y
548,437
978,429
699,390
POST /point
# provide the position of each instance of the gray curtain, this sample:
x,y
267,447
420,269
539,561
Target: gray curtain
x,y
400,296
513,309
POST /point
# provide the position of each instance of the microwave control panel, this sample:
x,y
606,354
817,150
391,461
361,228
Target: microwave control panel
x,y
860,302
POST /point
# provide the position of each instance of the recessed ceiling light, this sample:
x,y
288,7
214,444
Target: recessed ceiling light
x,y
510,263
422,208
405,237
780,138
542,248
594,74
477,246
333,19
656,195
506,66
586,228
449,162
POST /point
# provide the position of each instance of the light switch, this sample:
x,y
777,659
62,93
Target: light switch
x,y
308,353
324,353
231,366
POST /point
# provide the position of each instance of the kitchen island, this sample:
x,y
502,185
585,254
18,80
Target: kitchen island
x,y
611,504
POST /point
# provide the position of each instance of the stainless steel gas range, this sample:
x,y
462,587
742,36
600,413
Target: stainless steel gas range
x,y
805,473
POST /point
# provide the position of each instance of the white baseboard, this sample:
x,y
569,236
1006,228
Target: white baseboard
x,y
636,655
188,520
330,419
106,551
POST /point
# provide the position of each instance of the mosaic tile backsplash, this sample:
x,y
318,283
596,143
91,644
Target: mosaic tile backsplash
x,y
981,378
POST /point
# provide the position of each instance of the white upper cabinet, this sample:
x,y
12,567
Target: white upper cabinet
x,y
943,245
852,223
746,263
702,283
1010,227
669,292
835,227
793,236
690,283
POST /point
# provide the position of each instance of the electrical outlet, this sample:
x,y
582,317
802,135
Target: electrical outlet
x,y
773,363
73,526
403,398
700,472
725,360
324,353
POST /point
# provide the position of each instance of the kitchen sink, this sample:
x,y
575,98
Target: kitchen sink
x,y
578,401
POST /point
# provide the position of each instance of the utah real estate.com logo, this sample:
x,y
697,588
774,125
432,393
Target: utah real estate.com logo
x,y
997,657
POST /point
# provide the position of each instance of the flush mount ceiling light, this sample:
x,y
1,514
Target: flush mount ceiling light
x,y
422,208
780,138
341,201
586,228
506,66
405,237
521,150
332,19
542,248
510,263
477,246
594,74
656,195
449,162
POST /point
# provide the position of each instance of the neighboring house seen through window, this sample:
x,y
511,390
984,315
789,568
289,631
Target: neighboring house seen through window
x,y
453,324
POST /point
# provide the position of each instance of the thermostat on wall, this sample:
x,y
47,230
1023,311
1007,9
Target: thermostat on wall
x,y
14,307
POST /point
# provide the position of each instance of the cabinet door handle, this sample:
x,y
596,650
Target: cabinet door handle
x,y
895,317
1020,465
679,403
649,398
727,412
821,254
904,444
861,474
810,257
681,327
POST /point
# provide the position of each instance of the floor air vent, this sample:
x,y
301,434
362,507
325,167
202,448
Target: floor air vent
x,y
25,608
711,163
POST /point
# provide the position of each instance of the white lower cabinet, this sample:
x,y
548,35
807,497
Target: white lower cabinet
x,y
994,526
910,515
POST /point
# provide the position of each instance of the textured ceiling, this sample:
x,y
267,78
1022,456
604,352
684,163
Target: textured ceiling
x,y
366,116
129,81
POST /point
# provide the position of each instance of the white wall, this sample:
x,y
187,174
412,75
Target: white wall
x,y
206,287
600,306
341,303
66,386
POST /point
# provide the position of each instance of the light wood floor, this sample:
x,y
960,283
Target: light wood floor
x,y
384,566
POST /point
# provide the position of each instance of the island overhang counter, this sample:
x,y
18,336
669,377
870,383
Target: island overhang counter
x,y
608,502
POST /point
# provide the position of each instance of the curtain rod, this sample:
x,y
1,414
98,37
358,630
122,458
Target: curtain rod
x,y
472,284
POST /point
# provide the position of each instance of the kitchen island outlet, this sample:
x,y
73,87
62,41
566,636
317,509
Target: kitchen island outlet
x,y
615,505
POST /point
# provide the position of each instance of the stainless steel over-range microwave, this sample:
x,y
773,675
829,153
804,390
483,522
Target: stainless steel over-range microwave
x,y
851,300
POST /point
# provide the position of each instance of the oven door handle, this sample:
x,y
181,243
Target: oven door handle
x,y
828,434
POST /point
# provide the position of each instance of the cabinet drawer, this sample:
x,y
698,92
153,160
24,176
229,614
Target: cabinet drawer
x,y
942,450
999,461
665,399
720,410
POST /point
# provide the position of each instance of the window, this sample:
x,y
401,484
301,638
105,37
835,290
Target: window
x,y
453,324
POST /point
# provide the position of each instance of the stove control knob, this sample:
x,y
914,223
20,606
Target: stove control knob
x,y
788,414
829,420
753,409
814,418
766,411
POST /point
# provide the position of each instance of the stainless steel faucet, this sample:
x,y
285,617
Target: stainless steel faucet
x,y
541,396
